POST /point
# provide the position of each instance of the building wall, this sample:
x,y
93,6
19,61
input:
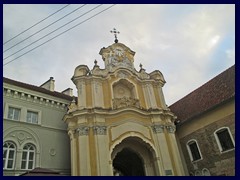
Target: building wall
x,y
49,136
202,130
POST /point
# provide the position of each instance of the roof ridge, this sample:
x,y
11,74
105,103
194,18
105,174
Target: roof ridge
x,y
210,80
217,90
36,88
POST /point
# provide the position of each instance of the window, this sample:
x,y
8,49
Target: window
x,y
32,117
198,173
28,157
224,139
9,152
14,113
206,172
193,150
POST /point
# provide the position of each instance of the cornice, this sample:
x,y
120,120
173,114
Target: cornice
x,y
117,73
113,112
34,98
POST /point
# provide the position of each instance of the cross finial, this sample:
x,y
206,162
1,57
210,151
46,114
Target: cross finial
x,y
115,34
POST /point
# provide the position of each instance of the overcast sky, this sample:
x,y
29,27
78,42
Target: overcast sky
x,y
189,44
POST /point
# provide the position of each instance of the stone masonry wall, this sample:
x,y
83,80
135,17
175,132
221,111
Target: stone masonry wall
x,y
219,164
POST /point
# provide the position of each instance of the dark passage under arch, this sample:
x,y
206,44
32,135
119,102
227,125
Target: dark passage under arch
x,y
128,163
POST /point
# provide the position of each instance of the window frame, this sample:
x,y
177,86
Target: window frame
x,y
6,111
6,161
218,141
36,111
206,170
198,173
27,160
190,152
14,108
32,112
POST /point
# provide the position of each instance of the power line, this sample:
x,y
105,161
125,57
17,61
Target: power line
x,y
45,27
35,24
51,32
59,35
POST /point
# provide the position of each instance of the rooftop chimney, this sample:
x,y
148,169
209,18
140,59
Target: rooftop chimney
x,y
68,91
49,85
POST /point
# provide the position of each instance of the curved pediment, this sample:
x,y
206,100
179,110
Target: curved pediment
x,y
157,75
117,55
81,70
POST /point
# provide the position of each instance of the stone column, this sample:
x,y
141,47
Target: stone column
x,y
163,149
102,151
18,159
84,168
73,153
175,151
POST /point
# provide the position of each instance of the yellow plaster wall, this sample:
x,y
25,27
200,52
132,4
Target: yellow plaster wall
x,y
106,94
157,97
141,96
89,94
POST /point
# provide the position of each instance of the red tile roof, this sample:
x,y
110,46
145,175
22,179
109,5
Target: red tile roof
x,y
38,89
216,91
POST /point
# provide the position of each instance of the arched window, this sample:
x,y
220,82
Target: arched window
x,y
198,173
193,150
224,139
28,156
205,172
9,153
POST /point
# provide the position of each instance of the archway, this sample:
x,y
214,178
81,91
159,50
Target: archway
x,y
128,163
134,157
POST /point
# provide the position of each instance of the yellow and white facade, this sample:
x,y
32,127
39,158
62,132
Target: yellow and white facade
x,y
120,124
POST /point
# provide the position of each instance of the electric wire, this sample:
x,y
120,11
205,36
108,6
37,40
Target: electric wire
x,y
44,28
52,32
59,34
35,24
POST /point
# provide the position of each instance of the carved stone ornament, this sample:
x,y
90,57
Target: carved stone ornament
x,y
83,130
99,72
158,128
125,102
52,152
21,136
72,106
143,74
171,128
122,75
100,130
71,133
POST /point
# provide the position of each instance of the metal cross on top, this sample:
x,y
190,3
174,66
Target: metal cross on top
x,y
115,34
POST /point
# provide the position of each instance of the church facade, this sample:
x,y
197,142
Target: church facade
x,y
120,124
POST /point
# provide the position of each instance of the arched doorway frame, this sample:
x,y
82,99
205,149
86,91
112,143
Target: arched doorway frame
x,y
129,162
146,150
